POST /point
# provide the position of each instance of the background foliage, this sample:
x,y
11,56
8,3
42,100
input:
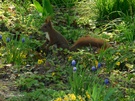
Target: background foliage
x,y
37,75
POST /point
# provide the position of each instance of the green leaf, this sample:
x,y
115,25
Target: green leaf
x,y
47,6
109,94
38,6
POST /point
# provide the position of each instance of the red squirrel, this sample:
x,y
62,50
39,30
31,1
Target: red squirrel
x,y
55,37
89,41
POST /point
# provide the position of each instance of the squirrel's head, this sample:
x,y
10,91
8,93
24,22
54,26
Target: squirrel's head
x,y
47,26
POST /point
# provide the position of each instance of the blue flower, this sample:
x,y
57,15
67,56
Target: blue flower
x,y
73,63
23,40
74,69
99,65
0,37
93,68
8,39
106,81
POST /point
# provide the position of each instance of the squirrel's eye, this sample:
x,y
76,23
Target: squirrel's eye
x,y
45,26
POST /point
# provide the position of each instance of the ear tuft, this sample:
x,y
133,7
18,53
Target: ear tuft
x,y
47,20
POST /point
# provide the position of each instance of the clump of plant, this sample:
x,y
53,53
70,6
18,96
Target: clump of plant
x,y
111,9
38,94
64,3
84,83
45,8
86,14
126,30
21,36
30,82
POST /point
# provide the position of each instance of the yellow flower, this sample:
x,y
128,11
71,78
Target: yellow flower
x,y
23,56
70,58
40,61
58,99
87,95
72,97
117,63
118,53
96,63
66,98
80,98
53,73
44,59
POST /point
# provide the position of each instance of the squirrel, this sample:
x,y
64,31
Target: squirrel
x,y
54,37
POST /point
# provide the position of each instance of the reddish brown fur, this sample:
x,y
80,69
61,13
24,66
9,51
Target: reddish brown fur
x,y
55,37
89,41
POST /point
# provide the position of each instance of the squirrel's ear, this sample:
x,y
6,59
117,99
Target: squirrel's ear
x,y
48,19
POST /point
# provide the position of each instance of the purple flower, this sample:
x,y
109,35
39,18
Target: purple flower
x,y
93,68
106,81
0,37
74,69
23,40
73,63
8,39
99,65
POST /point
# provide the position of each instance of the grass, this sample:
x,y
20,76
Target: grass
x,y
52,77
110,9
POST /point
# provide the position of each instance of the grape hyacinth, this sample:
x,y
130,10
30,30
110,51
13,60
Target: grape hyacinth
x,y
106,81
93,68
99,65
8,39
74,69
73,63
0,37
23,40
